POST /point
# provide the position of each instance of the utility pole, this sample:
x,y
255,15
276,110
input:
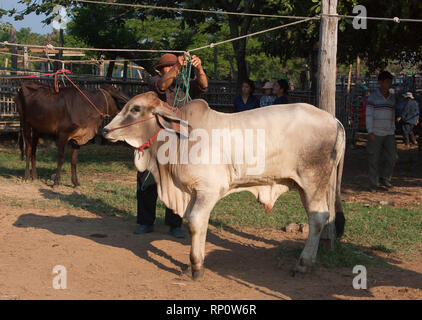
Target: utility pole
x,y
327,57
326,90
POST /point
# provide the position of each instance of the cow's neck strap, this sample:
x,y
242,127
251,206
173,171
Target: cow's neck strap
x,y
148,143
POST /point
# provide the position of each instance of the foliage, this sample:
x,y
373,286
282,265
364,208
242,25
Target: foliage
x,y
263,56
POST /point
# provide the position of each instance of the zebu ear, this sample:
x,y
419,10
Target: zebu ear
x,y
166,116
170,121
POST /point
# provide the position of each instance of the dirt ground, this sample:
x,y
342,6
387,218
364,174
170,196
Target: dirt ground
x,y
105,260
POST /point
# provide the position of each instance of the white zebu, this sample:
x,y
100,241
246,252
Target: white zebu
x,y
303,146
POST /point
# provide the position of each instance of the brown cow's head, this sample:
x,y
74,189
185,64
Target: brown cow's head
x,y
140,119
119,97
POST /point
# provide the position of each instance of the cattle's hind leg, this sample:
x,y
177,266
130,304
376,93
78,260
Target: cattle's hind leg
x,y
27,138
33,155
74,161
61,147
317,216
198,225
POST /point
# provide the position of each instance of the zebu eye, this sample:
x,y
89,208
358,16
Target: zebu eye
x,y
135,109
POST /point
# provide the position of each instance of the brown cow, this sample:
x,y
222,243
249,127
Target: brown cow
x,y
66,115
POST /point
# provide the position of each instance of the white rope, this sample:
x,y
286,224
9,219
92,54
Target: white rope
x,y
251,34
51,47
90,61
395,19
143,6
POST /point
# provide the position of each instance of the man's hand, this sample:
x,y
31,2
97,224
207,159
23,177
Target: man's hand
x,y
196,62
371,137
181,61
398,119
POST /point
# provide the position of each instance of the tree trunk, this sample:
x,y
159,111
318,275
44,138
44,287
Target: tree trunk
x,y
59,56
14,50
239,46
357,72
349,79
110,70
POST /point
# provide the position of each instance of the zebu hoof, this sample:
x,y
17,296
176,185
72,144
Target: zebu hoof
x,y
197,274
339,223
302,267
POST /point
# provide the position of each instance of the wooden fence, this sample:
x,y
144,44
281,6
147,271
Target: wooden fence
x,y
220,96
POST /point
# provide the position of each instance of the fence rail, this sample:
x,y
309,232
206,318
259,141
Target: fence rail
x,y
220,96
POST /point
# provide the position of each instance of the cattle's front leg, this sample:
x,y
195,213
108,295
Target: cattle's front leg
x,y
307,258
61,147
198,225
74,161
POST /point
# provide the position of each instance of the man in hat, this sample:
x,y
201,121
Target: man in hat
x,y
380,124
164,85
409,118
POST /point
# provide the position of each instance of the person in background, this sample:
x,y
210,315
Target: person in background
x,y
280,90
409,118
268,98
164,85
246,100
380,124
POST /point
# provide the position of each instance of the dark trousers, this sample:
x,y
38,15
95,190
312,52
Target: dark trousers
x,y
407,130
381,150
146,194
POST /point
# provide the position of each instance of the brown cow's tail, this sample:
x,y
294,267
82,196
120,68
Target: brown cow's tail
x,y
19,105
340,219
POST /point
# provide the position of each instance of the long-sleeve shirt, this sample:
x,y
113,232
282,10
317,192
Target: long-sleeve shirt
x,y
169,95
281,100
411,112
380,114
251,103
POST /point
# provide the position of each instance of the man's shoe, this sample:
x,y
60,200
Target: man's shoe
x,y
177,232
143,229
413,139
386,183
372,189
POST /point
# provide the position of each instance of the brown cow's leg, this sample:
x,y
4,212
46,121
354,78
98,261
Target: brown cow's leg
x,y
61,147
33,155
74,161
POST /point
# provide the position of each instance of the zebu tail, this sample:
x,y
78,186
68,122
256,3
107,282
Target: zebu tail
x,y
341,149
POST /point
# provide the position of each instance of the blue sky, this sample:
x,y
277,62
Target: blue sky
x,y
30,21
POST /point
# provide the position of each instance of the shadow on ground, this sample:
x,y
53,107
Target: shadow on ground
x,y
261,264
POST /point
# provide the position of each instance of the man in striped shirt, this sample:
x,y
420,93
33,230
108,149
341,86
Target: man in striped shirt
x,y
380,124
